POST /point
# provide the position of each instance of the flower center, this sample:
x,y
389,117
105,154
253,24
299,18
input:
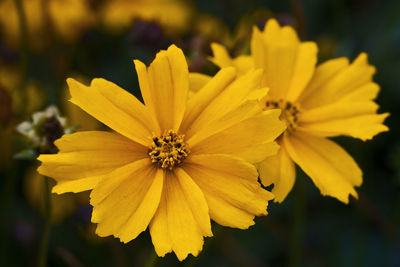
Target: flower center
x,y
289,113
168,150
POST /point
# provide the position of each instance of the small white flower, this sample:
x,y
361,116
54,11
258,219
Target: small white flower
x,y
34,129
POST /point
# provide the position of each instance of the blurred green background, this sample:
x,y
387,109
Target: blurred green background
x,y
306,230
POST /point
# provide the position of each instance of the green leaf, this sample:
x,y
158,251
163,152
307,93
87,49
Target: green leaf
x,y
29,154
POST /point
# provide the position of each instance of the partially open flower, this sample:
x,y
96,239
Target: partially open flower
x,y
44,128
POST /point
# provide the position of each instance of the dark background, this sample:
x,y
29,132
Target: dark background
x,y
307,229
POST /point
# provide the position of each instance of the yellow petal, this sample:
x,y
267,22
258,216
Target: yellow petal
x,y
366,92
222,59
243,63
337,80
338,110
205,96
345,112
228,100
174,226
230,186
106,107
236,139
221,56
164,86
246,110
364,127
278,170
159,228
257,45
345,117
97,140
196,201
323,73
139,220
85,157
126,199
303,69
125,101
197,81
76,116
288,64
330,167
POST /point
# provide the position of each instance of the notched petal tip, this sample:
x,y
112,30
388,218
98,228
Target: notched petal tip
x,y
138,64
256,29
175,48
345,199
362,57
217,46
313,46
220,57
40,168
271,23
175,53
70,81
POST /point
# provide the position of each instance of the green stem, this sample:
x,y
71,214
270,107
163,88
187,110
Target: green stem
x,y
46,231
298,219
152,261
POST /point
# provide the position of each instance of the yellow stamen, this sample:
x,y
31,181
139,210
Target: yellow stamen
x,y
168,150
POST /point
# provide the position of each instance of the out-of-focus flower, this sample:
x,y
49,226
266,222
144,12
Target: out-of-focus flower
x,y
173,15
172,164
44,128
67,19
335,98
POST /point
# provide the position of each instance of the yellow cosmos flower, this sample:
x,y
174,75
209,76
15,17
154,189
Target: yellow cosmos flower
x,y
172,164
332,99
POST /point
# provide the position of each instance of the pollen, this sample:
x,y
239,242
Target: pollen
x,y
168,150
290,112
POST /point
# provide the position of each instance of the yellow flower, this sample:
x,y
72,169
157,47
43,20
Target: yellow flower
x,y
332,99
173,163
67,18
173,14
